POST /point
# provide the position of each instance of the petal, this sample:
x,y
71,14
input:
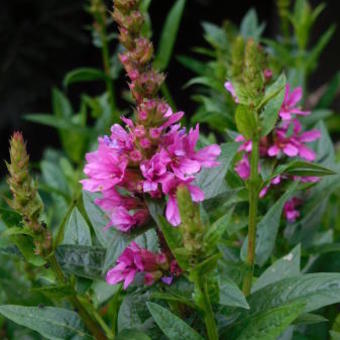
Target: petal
x,y
310,136
273,151
172,212
295,96
129,278
290,150
197,194
306,153
113,276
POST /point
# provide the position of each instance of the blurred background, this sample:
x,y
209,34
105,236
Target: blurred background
x,y
41,40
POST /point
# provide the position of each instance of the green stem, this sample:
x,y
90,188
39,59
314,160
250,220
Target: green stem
x,y
92,325
253,201
209,317
114,306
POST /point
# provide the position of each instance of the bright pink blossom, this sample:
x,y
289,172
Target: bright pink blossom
x,y
288,107
293,145
135,259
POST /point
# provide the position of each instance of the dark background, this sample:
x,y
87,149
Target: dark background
x,y
41,40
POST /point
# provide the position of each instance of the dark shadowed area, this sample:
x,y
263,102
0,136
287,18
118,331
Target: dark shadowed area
x,y
41,40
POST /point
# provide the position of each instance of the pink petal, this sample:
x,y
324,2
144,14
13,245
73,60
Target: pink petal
x,y
129,278
273,151
295,96
306,153
290,150
310,136
197,194
172,212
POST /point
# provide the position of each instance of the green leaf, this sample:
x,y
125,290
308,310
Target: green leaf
x,y
315,290
245,121
269,324
274,89
76,230
230,294
53,175
115,249
274,98
51,322
171,296
171,325
212,181
309,319
302,168
57,122
55,292
132,334
98,220
287,266
249,27
192,64
83,74
268,228
24,244
61,104
215,36
168,35
315,53
83,261
217,229
206,81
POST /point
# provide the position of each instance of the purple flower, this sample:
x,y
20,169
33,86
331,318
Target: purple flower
x,y
128,265
105,168
290,100
293,145
290,211
135,259
243,167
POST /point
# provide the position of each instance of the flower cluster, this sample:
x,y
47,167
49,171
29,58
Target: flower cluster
x,y
286,140
153,155
135,259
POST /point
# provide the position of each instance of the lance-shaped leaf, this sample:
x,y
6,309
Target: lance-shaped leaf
x,y
245,121
98,220
230,294
76,230
269,324
83,261
168,35
51,322
83,74
171,325
287,266
272,102
212,181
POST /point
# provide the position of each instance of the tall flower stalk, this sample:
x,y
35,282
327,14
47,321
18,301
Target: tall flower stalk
x,y
27,202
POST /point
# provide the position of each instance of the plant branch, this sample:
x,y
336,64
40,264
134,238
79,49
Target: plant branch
x,y
92,325
209,317
253,201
